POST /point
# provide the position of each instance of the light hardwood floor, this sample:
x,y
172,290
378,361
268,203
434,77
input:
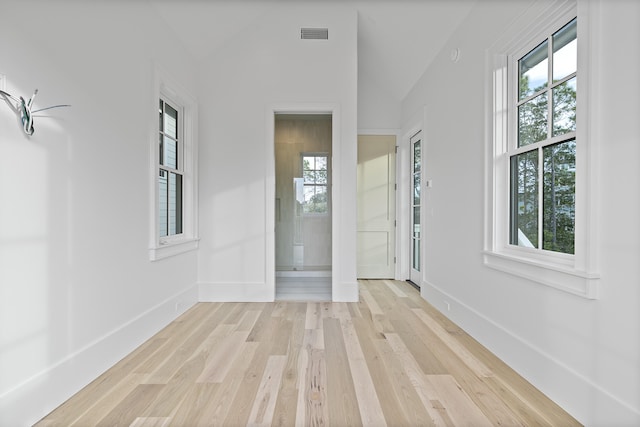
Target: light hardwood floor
x,y
391,359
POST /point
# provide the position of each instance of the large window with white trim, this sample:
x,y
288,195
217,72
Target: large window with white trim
x,y
173,225
539,222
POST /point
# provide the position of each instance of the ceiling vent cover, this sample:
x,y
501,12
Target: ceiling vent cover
x,y
314,33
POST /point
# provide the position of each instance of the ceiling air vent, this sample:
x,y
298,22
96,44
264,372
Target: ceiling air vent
x,y
314,33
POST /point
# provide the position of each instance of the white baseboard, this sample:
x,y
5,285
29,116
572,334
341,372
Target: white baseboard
x,y
28,402
581,397
261,292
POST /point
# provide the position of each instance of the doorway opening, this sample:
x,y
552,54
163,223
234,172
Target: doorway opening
x,y
303,206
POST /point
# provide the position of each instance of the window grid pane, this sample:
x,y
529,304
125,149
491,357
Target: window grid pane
x,y
533,71
524,199
565,51
564,107
559,182
532,120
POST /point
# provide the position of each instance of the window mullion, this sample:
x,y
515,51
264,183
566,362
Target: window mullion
x,y
540,196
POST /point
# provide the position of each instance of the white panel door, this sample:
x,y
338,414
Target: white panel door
x,y
376,206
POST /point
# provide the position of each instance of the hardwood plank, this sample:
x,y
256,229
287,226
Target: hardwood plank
x,y
286,405
459,407
107,402
312,407
133,404
219,363
216,409
395,289
368,403
341,396
407,397
264,404
469,359
195,403
151,422
392,408
417,378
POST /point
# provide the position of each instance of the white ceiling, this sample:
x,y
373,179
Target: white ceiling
x,y
397,39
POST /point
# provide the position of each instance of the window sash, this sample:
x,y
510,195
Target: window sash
x,y
518,148
170,205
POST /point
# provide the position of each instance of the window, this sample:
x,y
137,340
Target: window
x,y
543,155
538,222
173,225
315,172
170,171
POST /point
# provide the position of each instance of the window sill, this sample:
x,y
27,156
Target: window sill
x,y
173,248
558,276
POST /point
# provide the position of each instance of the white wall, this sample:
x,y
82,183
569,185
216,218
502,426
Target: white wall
x,y
267,67
584,354
77,291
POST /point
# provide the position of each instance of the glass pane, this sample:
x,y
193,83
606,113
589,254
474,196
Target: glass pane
x,y
308,163
416,156
162,203
315,199
160,109
559,187
532,120
321,177
321,163
416,222
309,176
170,121
415,264
524,199
565,51
175,204
416,189
533,70
564,107
169,156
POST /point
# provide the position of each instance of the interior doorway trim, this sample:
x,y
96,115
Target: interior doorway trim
x,y
270,190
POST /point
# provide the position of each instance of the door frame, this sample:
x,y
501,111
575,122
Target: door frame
x,y
403,212
270,190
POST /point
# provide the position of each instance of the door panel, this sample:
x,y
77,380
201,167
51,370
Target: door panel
x,y
416,208
376,206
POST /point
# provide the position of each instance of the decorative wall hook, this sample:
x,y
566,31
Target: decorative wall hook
x,y
25,109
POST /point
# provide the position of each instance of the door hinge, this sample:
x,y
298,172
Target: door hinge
x,y
394,260
396,149
395,222
395,187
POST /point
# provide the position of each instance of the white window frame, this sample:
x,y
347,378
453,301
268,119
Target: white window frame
x,y
167,89
577,273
